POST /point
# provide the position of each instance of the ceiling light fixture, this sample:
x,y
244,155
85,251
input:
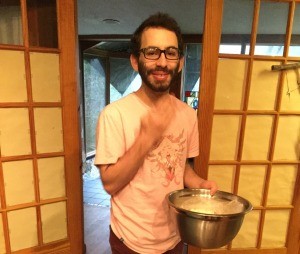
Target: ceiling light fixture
x,y
111,21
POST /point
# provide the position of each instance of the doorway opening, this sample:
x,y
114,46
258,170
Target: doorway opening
x,y
106,77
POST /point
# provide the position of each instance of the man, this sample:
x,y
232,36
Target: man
x,y
144,141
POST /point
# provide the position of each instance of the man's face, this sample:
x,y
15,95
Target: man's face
x,y
158,75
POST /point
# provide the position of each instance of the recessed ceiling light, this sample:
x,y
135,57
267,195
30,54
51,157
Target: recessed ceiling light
x,y
111,21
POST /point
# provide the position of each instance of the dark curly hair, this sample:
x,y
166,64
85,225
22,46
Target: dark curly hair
x,y
159,19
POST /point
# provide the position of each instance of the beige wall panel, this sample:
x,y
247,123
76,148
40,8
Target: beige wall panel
x,y
230,83
251,183
22,228
275,228
45,77
264,83
248,234
223,175
287,145
2,240
290,96
14,125
225,133
282,183
19,182
54,221
51,177
48,128
257,137
12,76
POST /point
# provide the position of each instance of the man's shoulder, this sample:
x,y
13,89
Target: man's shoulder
x,y
123,107
119,104
183,107
124,100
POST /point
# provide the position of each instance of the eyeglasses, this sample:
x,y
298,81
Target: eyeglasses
x,y
153,53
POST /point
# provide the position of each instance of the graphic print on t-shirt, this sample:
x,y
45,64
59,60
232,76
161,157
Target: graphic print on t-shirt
x,y
167,159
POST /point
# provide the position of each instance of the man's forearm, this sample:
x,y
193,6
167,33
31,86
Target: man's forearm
x,y
191,179
116,176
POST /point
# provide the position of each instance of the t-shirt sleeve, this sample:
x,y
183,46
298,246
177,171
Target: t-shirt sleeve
x,y
109,137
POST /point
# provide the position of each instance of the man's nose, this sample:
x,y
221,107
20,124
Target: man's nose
x,y
162,60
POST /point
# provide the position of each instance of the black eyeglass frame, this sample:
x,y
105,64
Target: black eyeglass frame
x,y
160,52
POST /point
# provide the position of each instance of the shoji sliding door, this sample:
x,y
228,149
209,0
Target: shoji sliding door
x,y
249,118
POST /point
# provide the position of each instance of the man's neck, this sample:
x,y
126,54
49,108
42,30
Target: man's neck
x,y
150,97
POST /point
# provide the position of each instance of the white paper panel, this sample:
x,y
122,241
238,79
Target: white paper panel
x,y
54,222
51,177
22,228
230,83
254,191
248,234
48,129
257,137
223,175
12,76
45,77
225,133
282,183
14,126
19,182
275,228
2,240
287,145
264,83
291,92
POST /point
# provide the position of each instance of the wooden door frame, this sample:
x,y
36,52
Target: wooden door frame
x,y
210,52
68,41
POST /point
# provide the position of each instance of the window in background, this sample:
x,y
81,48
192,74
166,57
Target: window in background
x,y
294,49
11,23
42,23
267,50
270,29
123,79
230,49
94,96
236,26
191,74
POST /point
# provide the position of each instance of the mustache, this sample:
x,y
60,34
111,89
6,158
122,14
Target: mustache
x,y
163,69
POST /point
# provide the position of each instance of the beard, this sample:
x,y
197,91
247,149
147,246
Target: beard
x,y
157,86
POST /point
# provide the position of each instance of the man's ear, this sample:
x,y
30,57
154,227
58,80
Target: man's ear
x,y
181,62
134,62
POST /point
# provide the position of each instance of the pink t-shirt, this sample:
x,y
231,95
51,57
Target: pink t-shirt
x,y
140,213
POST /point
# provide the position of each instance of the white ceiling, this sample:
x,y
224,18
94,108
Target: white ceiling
x,y
130,13
189,14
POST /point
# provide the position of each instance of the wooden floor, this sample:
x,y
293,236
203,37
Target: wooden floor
x,y
96,229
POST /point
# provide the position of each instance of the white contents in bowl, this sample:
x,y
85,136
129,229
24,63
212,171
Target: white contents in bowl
x,y
212,205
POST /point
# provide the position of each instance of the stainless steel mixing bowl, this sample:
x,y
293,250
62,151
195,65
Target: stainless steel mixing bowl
x,y
206,229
